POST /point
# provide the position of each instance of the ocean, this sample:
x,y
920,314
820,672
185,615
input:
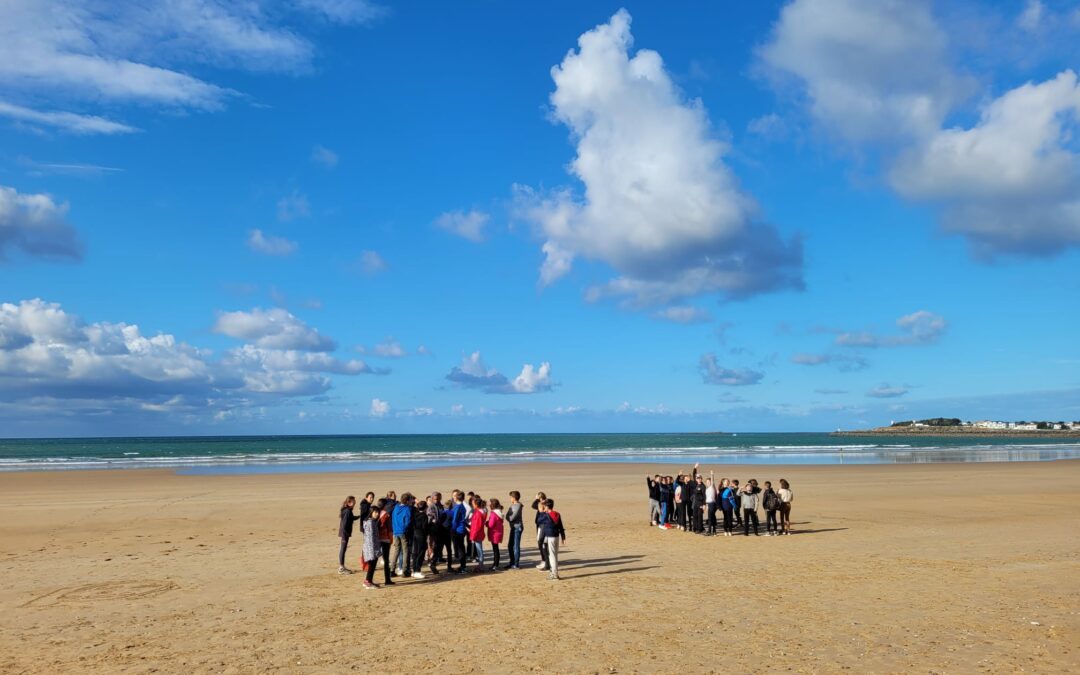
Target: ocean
x,y
281,454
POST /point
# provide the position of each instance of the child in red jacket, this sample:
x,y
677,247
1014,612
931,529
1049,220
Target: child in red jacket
x,y
476,530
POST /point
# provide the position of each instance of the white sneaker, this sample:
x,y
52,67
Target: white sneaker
x,y
400,572
417,575
542,567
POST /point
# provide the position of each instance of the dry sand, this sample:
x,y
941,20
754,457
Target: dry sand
x,y
942,568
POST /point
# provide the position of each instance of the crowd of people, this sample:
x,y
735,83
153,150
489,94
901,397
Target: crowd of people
x,y
689,502
407,534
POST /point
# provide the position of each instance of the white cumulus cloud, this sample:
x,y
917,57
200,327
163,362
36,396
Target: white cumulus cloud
x,y
379,408
659,205
273,328
473,373
37,226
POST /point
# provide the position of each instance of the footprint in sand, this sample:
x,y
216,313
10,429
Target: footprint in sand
x,y
109,590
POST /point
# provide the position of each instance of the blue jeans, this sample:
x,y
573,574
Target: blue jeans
x,y
479,548
514,546
663,514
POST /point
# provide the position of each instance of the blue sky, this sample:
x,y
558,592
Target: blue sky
x,y
335,216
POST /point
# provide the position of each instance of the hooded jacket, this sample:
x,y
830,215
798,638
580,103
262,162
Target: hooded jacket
x,y
476,525
345,527
551,524
457,519
403,515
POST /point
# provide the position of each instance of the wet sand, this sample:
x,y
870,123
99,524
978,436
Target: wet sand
x,y
934,568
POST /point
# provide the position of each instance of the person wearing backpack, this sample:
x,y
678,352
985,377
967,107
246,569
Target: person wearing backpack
x,y
771,501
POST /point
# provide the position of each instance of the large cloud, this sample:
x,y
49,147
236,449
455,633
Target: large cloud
x,y
272,329
132,52
880,72
474,374
36,225
48,355
1010,182
659,204
871,70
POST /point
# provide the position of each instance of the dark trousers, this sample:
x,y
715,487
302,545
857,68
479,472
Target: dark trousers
x,y
699,517
385,560
445,543
370,576
681,508
341,551
737,513
495,554
749,515
712,517
729,518
459,552
541,543
514,547
770,521
419,552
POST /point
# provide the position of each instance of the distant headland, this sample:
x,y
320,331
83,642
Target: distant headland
x,y
948,426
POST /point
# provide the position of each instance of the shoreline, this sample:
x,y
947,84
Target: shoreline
x,y
945,432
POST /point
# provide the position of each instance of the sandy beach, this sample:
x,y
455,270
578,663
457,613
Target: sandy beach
x,y
941,568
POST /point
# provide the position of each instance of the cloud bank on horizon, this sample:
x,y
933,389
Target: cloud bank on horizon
x,y
897,229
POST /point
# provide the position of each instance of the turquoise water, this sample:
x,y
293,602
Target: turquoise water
x,y
264,454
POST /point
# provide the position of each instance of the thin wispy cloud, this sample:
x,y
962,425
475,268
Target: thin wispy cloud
x,y
467,225
269,244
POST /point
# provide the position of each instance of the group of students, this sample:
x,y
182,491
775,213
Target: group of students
x,y
689,502
406,533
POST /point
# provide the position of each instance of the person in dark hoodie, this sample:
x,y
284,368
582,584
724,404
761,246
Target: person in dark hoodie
x,y
434,530
554,533
345,529
653,483
541,543
516,524
697,503
365,506
419,539
738,496
770,500
667,501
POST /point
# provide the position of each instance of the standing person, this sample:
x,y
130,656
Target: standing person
x,y
697,503
371,545
653,484
678,497
386,535
459,528
738,495
419,539
786,497
476,532
728,504
710,504
771,501
749,501
446,535
345,529
540,542
402,523
670,481
434,530
665,493
554,531
515,521
365,507
495,530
